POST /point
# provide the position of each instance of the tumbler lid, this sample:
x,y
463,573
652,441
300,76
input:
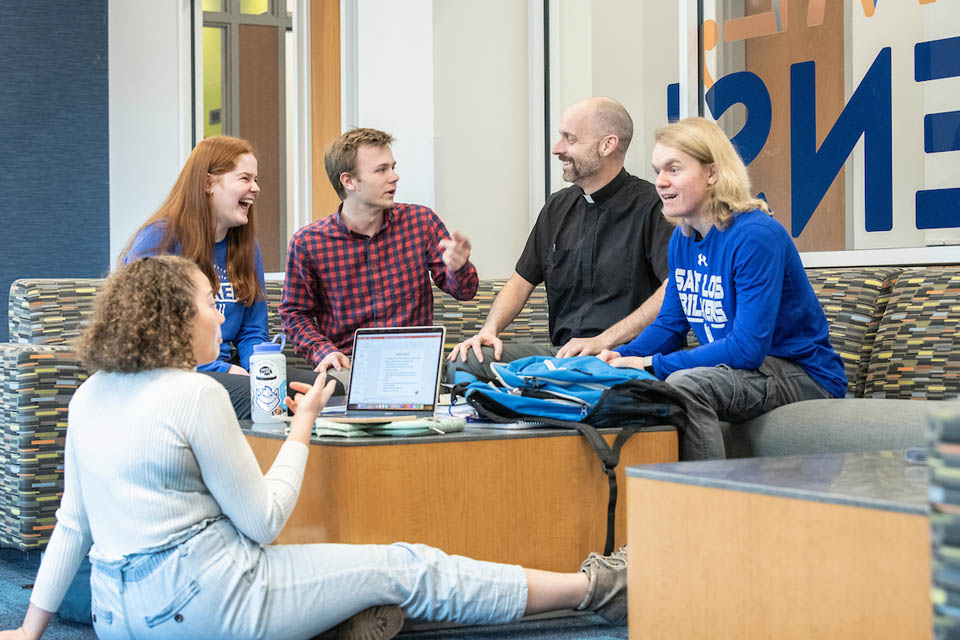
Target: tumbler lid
x,y
271,347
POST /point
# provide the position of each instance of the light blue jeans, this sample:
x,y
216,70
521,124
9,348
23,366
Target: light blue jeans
x,y
218,583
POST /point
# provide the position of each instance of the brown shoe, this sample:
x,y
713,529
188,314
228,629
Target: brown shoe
x,y
607,593
376,623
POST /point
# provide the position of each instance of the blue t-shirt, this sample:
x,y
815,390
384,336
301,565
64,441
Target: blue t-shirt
x,y
243,326
745,294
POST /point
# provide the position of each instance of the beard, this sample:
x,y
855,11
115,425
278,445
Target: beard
x,y
580,168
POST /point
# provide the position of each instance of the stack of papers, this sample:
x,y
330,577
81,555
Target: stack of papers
x,y
422,427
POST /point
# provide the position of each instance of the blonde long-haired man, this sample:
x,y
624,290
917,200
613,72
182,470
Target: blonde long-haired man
x,y
736,279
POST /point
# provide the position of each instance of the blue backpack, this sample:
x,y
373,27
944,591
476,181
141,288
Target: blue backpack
x,y
566,389
582,393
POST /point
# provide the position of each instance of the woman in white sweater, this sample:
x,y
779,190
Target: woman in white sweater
x,y
162,489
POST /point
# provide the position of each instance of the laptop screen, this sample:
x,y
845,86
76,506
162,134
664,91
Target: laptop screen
x,y
395,369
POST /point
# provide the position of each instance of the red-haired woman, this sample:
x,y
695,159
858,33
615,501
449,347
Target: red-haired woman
x,y
209,219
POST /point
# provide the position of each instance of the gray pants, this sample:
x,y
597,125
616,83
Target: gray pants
x,y
712,394
510,353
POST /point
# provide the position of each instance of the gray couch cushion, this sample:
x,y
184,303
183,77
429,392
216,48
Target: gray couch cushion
x,y
842,425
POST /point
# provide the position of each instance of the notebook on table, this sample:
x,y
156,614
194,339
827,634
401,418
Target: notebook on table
x,y
394,375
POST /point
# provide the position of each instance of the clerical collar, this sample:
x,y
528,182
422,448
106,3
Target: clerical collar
x,y
608,190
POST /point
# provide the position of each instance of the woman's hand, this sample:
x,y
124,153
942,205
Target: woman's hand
x,y
311,398
34,624
307,405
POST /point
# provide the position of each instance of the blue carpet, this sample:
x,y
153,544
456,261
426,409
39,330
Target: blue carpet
x,y
18,569
574,627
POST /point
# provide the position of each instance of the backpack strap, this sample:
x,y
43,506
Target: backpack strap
x,y
609,459
629,406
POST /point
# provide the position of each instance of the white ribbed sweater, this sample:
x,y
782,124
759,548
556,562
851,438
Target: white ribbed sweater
x,y
148,457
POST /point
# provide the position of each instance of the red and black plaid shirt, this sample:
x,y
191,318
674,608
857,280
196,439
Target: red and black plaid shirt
x,y
338,280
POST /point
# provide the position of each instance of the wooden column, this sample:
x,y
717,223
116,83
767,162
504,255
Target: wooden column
x,y
260,124
324,97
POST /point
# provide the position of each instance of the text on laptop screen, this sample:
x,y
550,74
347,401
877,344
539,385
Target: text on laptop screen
x,y
395,370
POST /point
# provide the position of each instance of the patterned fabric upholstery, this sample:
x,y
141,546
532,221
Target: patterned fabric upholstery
x,y
36,384
894,328
916,353
853,300
463,319
50,311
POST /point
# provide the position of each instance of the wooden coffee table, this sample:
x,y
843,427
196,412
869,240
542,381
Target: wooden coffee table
x,y
534,497
825,546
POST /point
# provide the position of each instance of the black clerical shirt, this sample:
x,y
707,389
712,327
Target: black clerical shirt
x,y
600,255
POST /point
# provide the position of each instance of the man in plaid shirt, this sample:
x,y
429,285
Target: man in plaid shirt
x,y
366,265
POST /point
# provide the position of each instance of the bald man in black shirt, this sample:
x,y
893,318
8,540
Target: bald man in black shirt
x,y
599,246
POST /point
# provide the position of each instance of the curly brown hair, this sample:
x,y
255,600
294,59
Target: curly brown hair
x,y
142,318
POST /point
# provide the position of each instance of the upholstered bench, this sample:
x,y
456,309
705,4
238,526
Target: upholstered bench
x,y
896,331
894,328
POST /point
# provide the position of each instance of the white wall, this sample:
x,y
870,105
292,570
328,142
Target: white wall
x,y
571,67
478,127
395,87
448,78
624,50
635,52
149,111
481,127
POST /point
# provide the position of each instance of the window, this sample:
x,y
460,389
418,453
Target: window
x,y
246,80
847,113
623,49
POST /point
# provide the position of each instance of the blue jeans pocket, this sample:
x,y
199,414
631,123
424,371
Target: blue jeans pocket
x,y
100,614
172,610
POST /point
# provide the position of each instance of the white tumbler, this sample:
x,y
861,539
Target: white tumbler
x,y
268,382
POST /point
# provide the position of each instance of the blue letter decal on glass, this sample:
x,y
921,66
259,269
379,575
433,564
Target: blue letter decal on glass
x,y
747,88
673,102
934,60
868,113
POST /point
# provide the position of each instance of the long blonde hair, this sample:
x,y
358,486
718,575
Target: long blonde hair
x,y
708,144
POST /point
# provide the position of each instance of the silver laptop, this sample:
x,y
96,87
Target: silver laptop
x,y
394,375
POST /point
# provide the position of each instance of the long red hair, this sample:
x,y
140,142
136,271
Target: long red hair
x,y
189,220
